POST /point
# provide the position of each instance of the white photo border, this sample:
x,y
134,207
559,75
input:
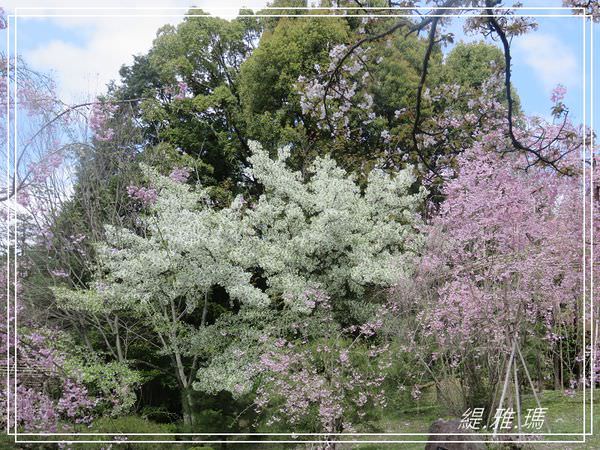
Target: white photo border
x,y
122,437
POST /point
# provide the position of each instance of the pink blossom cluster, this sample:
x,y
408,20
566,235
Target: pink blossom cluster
x,y
324,387
180,174
38,100
41,170
313,297
101,114
502,252
558,93
147,196
303,394
341,97
75,403
24,198
182,89
178,92
39,409
36,410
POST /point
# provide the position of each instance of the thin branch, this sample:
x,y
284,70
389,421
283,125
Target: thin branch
x,y
14,187
416,128
508,87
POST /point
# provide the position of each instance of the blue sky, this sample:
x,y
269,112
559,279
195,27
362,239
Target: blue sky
x,y
544,58
84,53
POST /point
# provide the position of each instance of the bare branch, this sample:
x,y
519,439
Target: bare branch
x,y
416,128
507,83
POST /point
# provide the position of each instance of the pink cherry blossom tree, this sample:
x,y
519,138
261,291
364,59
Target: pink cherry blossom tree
x,y
505,249
43,396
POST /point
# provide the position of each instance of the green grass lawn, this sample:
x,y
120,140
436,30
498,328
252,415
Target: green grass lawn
x,y
565,415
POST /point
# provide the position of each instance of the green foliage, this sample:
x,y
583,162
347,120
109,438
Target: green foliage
x,y
242,84
295,48
292,49
268,78
470,64
188,83
113,382
124,425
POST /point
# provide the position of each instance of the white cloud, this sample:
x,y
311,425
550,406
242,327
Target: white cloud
x,y
85,69
550,59
82,70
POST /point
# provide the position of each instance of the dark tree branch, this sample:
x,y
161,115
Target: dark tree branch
x,y
433,19
416,127
401,23
495,26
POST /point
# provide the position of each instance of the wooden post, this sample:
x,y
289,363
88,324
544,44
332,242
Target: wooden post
x,y
506,378
517,397
537,400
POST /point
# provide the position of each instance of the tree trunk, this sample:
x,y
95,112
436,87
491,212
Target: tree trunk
x,y
187,407
205,308
118,340
557,368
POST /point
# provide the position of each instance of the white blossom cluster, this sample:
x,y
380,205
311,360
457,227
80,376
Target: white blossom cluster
x,y
324,232
307,235
187,248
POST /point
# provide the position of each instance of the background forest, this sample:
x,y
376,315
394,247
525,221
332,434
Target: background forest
x,y
313,224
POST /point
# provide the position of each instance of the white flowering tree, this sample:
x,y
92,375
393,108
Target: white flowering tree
x,y
323,248
305,238
164,271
